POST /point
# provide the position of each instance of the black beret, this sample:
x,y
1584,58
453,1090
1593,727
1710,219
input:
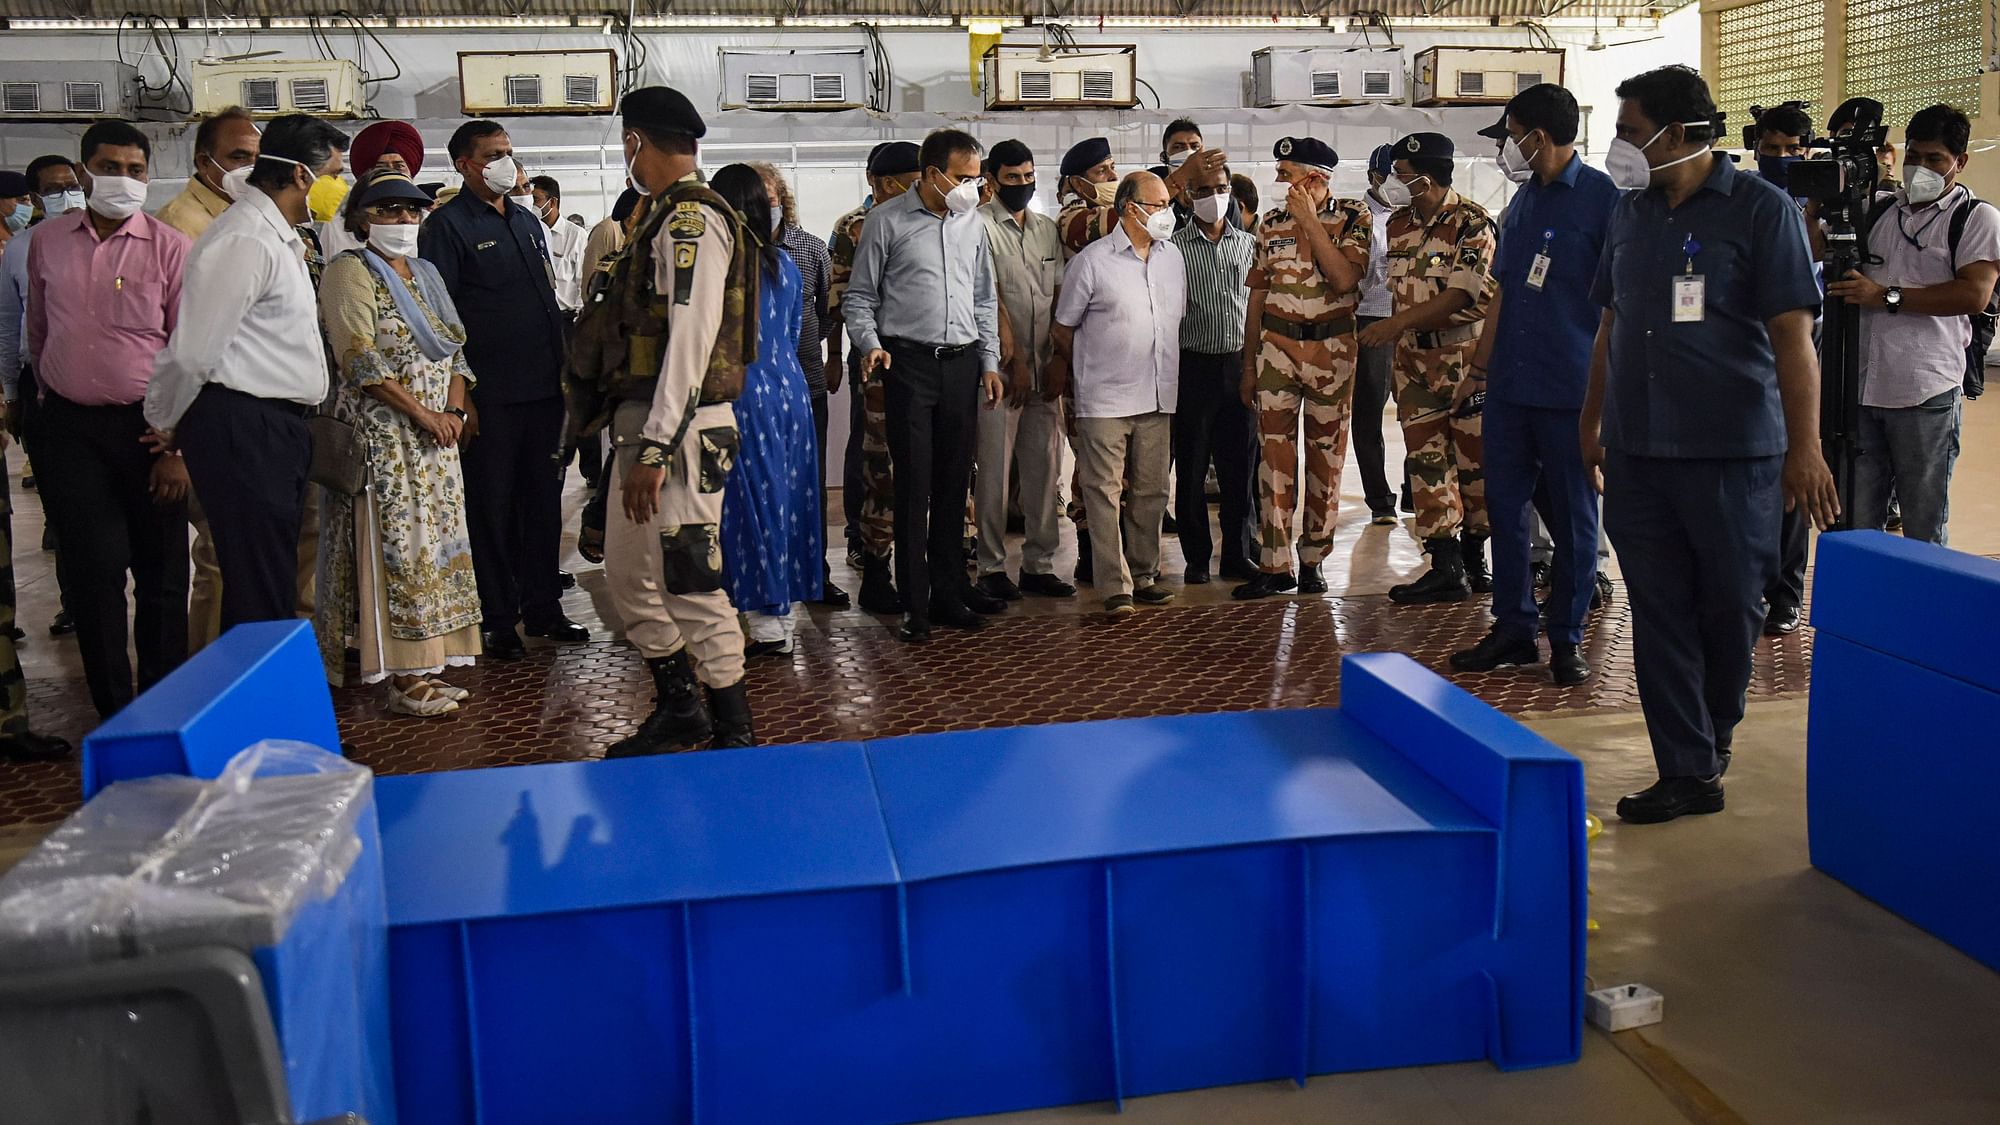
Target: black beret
x,y
1497,130
1306,150
431,189
1425,144
13,184
1085,155
894,159
662,109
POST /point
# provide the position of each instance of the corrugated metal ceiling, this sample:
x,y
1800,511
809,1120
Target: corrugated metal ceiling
x,y
1080,11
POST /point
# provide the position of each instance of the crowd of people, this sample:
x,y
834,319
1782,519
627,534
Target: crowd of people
x,y
364,399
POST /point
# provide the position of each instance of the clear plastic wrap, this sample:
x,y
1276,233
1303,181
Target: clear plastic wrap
x,y
170,863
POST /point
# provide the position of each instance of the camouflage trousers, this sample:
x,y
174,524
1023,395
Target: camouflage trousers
x,y
1443,456
13,687
1309,382
878,480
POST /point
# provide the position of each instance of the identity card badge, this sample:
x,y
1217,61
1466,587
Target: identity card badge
x,y
1538,270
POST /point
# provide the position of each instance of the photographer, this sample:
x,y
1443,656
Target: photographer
x,y
1933,250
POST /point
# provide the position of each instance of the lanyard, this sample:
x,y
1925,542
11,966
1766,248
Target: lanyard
x,y
1915,240
1690,248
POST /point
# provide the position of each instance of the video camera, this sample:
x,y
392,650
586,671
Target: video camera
x,y
1846,177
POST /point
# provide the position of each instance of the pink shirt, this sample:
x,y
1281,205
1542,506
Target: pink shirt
x,y
99,311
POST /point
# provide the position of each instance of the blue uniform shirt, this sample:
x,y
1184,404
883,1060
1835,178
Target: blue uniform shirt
x,y
1707,388
1541,356
496,268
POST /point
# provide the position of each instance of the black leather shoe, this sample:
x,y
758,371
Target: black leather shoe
x,y
1169,525
1311,581
501,644
1238,569
914,630
1497,650
1385,517
1566,665
953,615
878,590
1672,797
1541,574
998,585
1722,757
731,708
979,601
1086,567
31,747
754,649
1601,597
1155,594
562,630
63,625
1195,578
565,579
1782,620
1265,586
832,596
1047,586
678,722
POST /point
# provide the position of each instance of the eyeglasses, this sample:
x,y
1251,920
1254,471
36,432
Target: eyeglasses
x,y
1152,208
386,211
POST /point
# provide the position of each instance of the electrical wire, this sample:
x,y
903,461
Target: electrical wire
x,y
1150,90
168,48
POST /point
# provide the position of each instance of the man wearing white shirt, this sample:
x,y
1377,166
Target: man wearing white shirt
x,y
246,365
565,241
1117,339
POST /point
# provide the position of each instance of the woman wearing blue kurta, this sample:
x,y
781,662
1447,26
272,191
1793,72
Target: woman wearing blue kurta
x,y
772,548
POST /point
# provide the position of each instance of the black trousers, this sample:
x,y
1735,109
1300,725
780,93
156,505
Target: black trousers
x,y
1371,396
1212,424
96,483
819,401
513,511
1788,587
932,408
1695,539
248,459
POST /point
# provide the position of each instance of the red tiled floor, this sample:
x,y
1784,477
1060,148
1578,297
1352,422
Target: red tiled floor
x,y
852,679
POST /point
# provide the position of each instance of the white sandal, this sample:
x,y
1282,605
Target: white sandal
x,y
423,701
450,691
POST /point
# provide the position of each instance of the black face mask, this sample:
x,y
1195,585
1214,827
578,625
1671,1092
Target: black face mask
x,y
1015,197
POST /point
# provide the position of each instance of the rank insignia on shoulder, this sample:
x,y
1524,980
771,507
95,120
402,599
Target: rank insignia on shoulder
x,y
1436,259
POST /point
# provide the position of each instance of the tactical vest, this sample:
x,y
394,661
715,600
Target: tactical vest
x,y
621,332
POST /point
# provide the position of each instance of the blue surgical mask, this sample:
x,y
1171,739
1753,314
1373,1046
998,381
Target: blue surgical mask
x,y
1777,170
18,218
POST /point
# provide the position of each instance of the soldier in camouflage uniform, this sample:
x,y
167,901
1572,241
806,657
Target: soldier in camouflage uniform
x,y
869,492
17,742
1441,249
1311,256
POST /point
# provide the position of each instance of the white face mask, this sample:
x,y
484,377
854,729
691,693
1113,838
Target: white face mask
x,y
62,202
393,240
236,181
1160,224
964,197
1921,186
500,175
1211,209
1627,162
777,220
116,197
632,177
1514,163
1176,159
1396,193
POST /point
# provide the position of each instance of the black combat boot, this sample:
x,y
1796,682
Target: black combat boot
x,y
678,722
1472,549
1444,583
878,590
732,716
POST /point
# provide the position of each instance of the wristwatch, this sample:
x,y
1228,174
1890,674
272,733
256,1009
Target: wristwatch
x,y
456,412
1893,299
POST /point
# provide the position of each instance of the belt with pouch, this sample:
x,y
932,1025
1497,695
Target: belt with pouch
x,y
935,351
1308,329
1443,337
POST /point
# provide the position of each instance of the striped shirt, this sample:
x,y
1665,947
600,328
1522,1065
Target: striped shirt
x,y
809,254
1217,300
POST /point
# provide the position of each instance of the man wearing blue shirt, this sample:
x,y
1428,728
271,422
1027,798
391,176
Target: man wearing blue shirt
x,y
493,257
1701,420
1536,363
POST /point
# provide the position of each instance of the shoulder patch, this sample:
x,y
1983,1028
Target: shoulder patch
x,y
687,222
